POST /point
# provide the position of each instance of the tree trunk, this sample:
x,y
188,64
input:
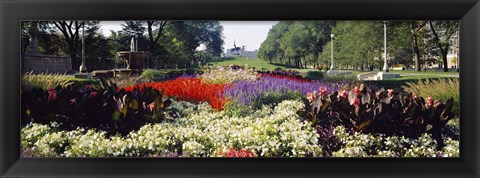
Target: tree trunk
x,y
445,64
304,62
416,50
444,51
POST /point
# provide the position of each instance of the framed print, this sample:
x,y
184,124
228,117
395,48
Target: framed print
x,y
239,88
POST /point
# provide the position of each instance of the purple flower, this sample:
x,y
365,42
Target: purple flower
x,y
247,92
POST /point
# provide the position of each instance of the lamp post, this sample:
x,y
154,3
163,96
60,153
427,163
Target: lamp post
x,y
83,67
385,66
136,42
332,67
457,51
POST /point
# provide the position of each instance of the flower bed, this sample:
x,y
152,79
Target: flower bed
x,y
189,89
245,93
266,115
264,133
227,75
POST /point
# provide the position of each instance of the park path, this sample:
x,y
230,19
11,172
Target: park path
x,y
441,75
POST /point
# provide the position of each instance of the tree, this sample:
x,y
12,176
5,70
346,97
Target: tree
x,y
442,32
301,41
71,35
400,44
180,40
159,25
417,29
270,48
355,44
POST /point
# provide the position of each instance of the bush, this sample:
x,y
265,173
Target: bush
x,y
273,98
385,112
152,75
106,109
314,75
442,89
266,133
190,71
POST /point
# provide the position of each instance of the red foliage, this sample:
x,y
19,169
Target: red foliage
x,y
190,89
285,77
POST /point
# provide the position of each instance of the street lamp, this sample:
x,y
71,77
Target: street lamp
x,y
457,51
136,42
332,66
83,67
385,66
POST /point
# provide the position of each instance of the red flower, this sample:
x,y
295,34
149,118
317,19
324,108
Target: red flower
x,y
310,97
356,90
151,106
52,94
343,94
232,153
391,92
355,101
190,89
429,102
323,91
93,94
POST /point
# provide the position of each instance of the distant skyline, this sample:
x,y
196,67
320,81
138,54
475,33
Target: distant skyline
x,y
245,33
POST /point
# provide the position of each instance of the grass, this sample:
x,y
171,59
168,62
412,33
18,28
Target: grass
x,y
45,81
48,81
257,63
439,89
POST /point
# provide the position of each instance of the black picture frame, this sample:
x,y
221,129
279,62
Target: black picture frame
x,y
13,11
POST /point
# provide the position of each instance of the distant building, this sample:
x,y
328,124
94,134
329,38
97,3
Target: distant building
x,y
453,51
240,52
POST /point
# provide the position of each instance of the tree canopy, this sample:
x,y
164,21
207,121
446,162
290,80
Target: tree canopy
x,y
170,42
358,44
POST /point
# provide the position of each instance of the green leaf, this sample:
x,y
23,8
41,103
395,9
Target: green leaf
x,y
116,115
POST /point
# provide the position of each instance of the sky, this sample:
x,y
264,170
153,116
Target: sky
x,y
245,33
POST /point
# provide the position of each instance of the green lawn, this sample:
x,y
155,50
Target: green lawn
x,y
407,75
414,75
257,63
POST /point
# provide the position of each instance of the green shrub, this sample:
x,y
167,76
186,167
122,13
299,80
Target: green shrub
x,y
382,111
152,75
439,89
273,98
190,71
314,75
106,108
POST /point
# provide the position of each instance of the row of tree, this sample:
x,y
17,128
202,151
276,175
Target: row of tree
x,y
359,44
170,42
